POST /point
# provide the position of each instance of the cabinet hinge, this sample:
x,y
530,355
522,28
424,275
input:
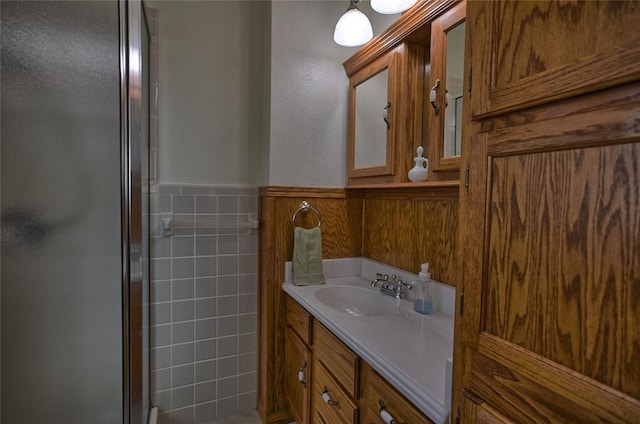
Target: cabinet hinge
x,y
466,178
462,303
458,416
469,80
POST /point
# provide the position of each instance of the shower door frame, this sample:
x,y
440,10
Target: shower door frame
x,y
131,98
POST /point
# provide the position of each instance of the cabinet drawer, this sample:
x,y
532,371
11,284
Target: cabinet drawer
x,y
298,319
402,411
338,408
337,358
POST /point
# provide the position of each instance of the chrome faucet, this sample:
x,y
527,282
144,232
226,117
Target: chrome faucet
x,y
395,288
380,278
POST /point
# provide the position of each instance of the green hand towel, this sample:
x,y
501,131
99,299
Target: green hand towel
x,y
307,257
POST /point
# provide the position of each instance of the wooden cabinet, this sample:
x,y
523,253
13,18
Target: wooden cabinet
x,y
341,361
549,224
298,377
328,383
445,88
330,402
336,379
381,396
299,320
536,52
405,49
298,363
381,131
373,128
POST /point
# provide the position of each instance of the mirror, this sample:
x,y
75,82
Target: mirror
x,y
371,126
447,82
370,143
454,87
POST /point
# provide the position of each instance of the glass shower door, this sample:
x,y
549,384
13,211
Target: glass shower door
x,y
72,203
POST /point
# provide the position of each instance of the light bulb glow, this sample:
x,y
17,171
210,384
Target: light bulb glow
x,y
353,29
389,7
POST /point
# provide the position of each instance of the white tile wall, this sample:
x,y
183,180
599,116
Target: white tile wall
x,y
204,304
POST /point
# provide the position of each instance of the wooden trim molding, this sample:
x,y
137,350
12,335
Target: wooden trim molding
x,y
444,190
412,24
313,192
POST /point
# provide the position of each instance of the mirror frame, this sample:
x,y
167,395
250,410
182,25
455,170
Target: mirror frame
x,y
439,28
387,61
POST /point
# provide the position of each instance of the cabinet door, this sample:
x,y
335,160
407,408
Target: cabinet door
x,y
298,378
552,296
446,89
534,52
372,113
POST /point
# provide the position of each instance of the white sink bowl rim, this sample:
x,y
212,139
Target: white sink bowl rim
x,y
356,301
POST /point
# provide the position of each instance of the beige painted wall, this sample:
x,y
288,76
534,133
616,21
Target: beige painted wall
x,y
309,92
253,92
213,73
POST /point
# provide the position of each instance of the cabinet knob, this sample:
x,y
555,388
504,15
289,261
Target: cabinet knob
x,y
327,398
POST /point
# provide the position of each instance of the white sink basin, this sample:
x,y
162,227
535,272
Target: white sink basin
x,y
356,301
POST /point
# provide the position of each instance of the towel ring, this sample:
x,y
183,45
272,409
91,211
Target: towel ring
x,y
306,207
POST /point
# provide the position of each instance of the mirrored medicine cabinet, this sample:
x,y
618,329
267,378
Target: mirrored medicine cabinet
x,y
407,89
371,108
446,89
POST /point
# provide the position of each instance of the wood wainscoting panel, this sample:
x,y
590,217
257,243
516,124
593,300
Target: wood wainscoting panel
x,y
341,213
405,228
563,259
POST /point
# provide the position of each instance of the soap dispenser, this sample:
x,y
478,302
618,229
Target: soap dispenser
x,y
423,303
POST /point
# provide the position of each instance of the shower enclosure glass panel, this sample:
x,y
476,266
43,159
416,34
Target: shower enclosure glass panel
x,y
66,257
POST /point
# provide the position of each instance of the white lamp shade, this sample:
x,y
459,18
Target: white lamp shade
x,y
353,29
389,7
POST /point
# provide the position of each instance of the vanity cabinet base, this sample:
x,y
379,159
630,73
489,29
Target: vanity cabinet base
x,y
337,386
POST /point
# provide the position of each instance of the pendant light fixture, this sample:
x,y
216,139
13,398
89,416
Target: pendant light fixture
x,y
390,7
353,28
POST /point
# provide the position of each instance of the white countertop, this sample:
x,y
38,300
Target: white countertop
x,y
409,349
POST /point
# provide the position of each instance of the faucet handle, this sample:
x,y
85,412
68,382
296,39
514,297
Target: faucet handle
x,y
382,276
407,286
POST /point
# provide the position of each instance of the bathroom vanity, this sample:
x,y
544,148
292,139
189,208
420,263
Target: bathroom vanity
x,y
356,355
538,235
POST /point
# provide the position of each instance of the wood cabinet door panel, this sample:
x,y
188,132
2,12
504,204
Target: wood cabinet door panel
x,y
552,316
562,261
298,365
519,62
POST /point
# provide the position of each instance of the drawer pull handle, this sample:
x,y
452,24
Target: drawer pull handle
x,y
327,398
385,415
301,374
